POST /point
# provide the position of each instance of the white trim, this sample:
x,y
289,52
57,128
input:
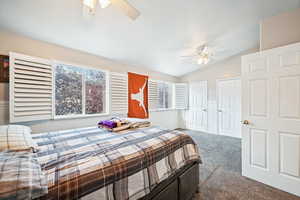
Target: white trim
x,y
83,91
80,116
55,62
107,94
11,84
53,89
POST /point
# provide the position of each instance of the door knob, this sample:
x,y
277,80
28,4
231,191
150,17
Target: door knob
x,y
245,122
204,110
219,110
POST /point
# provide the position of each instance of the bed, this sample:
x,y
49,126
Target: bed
x,y
92,163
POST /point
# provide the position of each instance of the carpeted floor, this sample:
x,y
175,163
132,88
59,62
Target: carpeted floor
x,y
220,173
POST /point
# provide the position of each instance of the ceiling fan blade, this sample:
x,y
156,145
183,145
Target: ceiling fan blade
x,y
128,9
189,56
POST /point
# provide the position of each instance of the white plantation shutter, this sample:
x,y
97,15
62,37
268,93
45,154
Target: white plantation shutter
x,y
181,96
119,93
152,94
30,88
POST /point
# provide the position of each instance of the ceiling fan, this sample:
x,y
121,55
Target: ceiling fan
x,y
123,5
203,55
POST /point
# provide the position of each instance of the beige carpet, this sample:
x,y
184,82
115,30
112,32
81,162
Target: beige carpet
x,y
220,173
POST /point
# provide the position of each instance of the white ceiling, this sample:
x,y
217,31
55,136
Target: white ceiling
x,y
166,30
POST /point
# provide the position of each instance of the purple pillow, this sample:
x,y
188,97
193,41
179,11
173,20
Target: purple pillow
x,y
108,123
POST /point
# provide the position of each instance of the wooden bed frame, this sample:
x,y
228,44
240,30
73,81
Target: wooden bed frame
x,y
181,186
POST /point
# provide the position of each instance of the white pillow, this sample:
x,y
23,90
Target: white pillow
x,y
16,138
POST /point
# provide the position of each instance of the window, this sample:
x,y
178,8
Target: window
x,y
165,95
79,91
95,85
161,95
68,90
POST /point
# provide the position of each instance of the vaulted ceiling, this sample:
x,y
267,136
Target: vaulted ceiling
x,y
166,31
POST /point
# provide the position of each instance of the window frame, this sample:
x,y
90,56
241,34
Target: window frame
x,y
172,98
83,115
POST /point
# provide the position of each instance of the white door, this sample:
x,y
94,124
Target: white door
x,y
229,107
271,106
196,117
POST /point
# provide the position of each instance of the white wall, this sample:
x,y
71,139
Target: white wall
x,y
166,119
225,69
280,30
20,44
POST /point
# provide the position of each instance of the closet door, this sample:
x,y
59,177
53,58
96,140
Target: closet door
x,y
271,117
197,113
229,107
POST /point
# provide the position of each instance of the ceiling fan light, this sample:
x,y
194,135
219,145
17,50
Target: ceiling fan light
x,y
104,3
205,49
89,6
200,61
206,60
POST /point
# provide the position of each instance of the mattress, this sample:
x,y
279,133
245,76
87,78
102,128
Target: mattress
x,y
92,163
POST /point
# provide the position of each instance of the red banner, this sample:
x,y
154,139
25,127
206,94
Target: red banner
x,y
137,96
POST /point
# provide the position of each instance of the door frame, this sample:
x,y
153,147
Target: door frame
x,y
218,99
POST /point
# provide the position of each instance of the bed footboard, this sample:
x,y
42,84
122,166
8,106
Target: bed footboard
x,y
182,186
188,183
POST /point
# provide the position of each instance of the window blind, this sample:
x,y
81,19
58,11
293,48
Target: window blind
x,y
119,93
181,96
30,88
152,94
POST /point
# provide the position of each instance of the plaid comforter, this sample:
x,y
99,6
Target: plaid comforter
x,y
91,163
21,176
